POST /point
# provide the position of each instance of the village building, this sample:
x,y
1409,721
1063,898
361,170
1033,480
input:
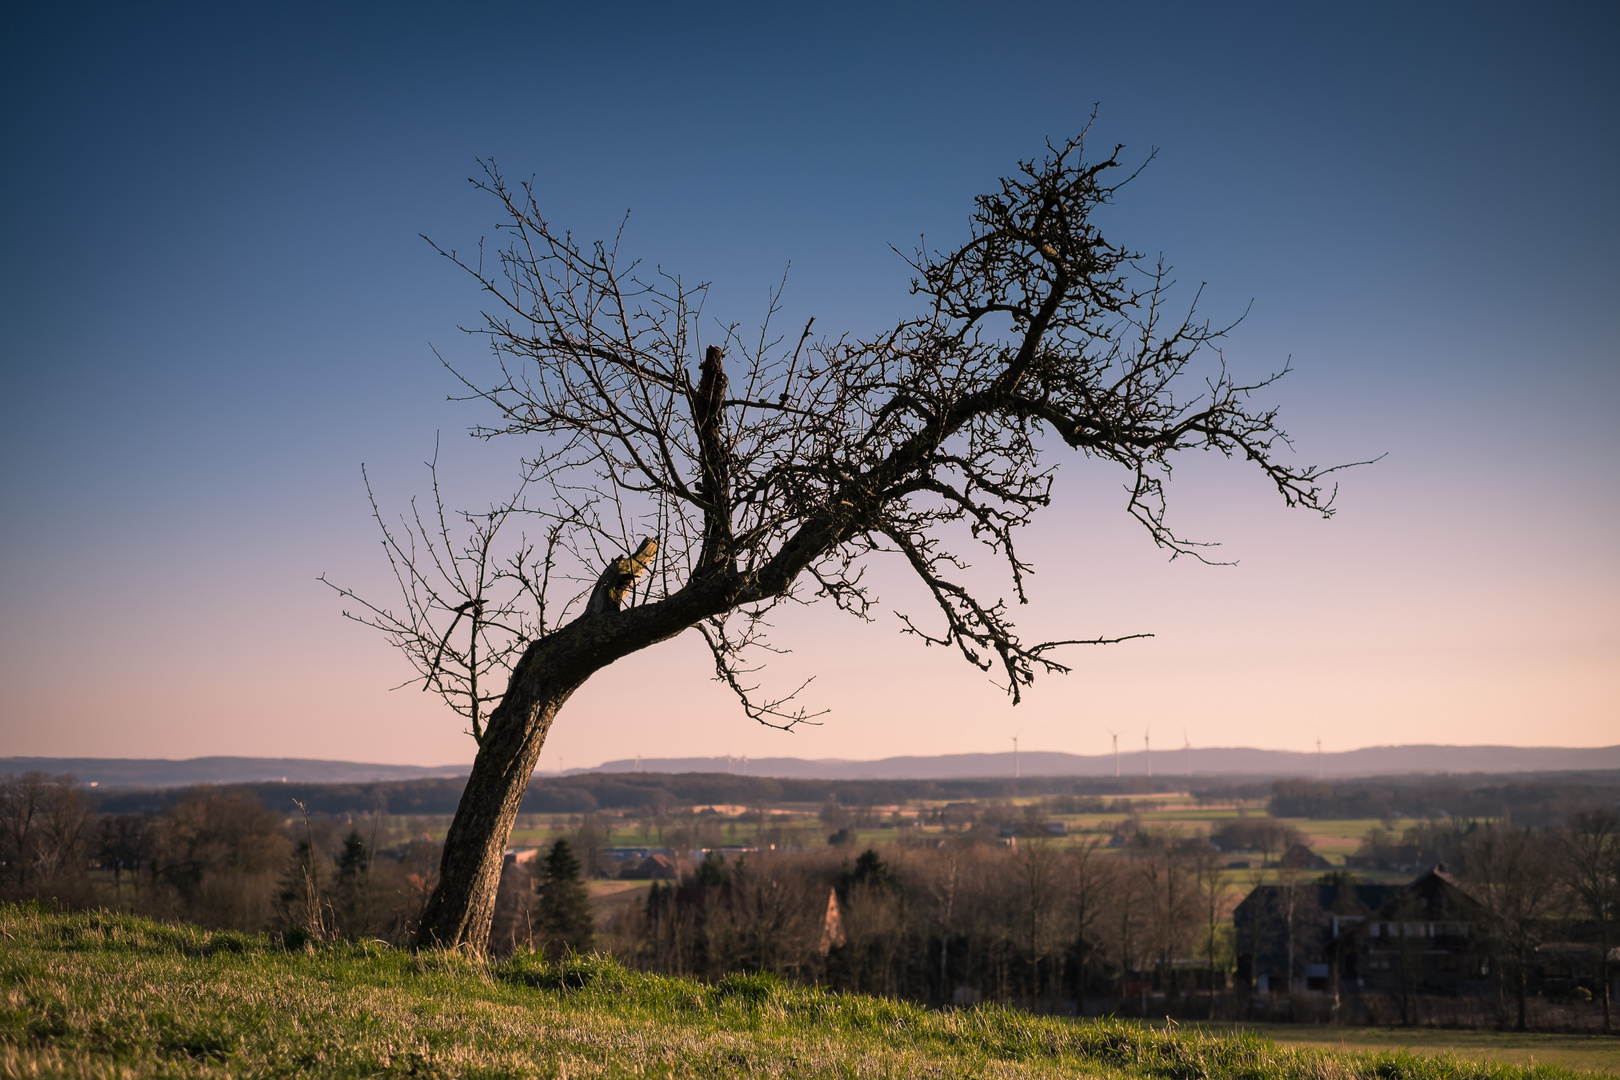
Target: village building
x,y
1289,934
1426,940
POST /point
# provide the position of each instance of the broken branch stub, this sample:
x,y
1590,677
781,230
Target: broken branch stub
x,y
618,576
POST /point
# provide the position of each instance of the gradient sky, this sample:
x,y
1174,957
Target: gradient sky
x,y
216,306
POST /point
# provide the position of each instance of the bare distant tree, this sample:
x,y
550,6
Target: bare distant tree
x,y
1038,868
1092,875
786,467
1512,873
1589,847
22,806
44,827
123,842
1171,904
1214,905
942,887
64,828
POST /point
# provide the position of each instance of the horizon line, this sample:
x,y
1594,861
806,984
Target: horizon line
x,y
1168,749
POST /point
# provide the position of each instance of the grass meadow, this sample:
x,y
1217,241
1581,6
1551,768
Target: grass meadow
x,y
99,995
1593,1053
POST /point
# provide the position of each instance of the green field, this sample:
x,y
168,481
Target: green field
x,y
1171,811
1177,812
1593,1053
105,995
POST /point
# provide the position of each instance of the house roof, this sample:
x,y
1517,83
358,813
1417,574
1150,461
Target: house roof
x,y
1357,899
1301,857
1437,891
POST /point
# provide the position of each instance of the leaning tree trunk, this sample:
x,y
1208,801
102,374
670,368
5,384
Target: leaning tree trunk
x,y
459,912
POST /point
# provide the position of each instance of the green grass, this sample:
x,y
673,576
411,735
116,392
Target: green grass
x,y
1595,1053
111,995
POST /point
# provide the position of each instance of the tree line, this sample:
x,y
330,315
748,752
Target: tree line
x,y
975,913
1537,800
959,920
1142,916
218,858
586,792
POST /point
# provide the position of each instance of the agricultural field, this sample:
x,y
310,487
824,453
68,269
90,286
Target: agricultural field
x,y
803,825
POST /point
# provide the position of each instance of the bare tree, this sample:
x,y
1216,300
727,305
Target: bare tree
x,y
64,828
123,842
788,466
942,887
218,858
1171,905
1037,867
1512,874
44,827
1092,878
1213,905
22,805
1589,847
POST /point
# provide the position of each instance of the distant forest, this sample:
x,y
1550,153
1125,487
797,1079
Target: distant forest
x,y
1538,799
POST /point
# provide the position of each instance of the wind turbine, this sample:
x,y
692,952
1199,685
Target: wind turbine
x,y
1115,734
1147,747
1319,759
1187,744
1015,755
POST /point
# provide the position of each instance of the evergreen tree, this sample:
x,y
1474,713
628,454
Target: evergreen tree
x,y
355,858
564,906
356,901
871,871
712,871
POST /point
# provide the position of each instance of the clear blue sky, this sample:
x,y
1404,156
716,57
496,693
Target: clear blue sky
x,y
215,306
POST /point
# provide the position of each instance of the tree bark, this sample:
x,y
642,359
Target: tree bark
x,y
459,912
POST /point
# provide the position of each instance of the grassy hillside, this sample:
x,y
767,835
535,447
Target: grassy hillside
x,y
103,995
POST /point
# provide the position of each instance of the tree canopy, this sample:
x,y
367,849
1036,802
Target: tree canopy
x,y
674,483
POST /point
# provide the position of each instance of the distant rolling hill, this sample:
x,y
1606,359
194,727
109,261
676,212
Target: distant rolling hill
x,y
162,772
1216,761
